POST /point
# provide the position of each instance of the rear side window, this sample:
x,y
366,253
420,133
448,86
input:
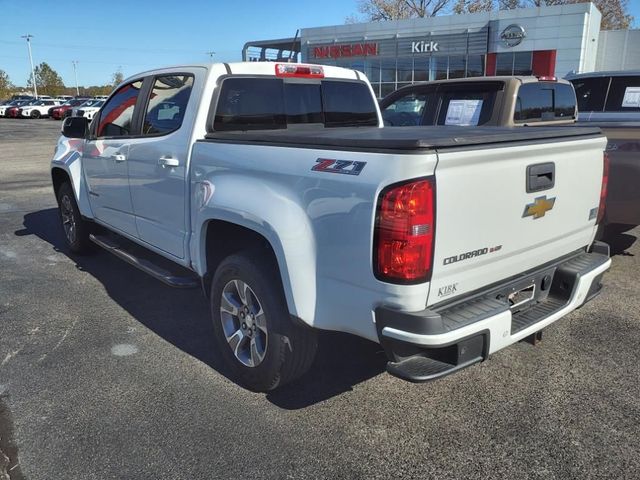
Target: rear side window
x,y
624,95
591,93
272,103
544,101
116,118
466,105
167,104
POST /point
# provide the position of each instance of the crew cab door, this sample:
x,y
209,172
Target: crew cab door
x,y
158,159
105,157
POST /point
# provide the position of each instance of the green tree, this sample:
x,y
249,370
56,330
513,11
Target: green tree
x,y
117,78
48,82
6,88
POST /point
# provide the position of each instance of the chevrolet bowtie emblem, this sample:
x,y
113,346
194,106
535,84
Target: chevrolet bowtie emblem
x,y
539,207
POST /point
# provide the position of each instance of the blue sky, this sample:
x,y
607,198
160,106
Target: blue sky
x,y
137,34
140,34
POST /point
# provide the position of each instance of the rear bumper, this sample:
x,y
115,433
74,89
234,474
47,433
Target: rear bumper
x,y
438,341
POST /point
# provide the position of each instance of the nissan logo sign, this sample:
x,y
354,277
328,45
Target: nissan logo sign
x,y
513,35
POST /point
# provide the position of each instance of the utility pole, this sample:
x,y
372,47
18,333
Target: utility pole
x,y
75,72
33,73
211,53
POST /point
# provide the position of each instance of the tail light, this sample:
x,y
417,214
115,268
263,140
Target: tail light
x,y
604,188
547,78
301,71
404,232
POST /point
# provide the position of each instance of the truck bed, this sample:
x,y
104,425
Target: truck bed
x,y
405,139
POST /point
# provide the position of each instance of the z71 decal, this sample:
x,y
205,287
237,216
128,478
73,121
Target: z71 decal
x,y
338,166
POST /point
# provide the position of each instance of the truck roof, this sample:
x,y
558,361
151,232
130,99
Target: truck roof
x,y
252,68
495,78
405,139
604,73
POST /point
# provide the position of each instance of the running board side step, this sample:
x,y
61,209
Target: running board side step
x,y
144,264
418,369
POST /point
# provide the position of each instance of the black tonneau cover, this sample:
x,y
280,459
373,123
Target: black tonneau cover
x,y
398,138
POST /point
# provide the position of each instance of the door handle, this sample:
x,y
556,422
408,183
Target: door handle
x,y
165,162
118,157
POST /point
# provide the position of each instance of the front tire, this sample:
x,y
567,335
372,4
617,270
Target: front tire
x,y
76,229
254,332
35,114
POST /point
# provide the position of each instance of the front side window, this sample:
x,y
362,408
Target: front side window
x,y
406,110
271,103
591,93
116,118
167,104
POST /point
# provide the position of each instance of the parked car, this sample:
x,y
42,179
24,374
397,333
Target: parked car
x,y
611,101
37,109
4,107
285,200
89,112
86,104
62,111
12,110
482,101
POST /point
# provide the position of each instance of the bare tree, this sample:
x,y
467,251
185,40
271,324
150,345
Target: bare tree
x,y
473,6
615,13
382,10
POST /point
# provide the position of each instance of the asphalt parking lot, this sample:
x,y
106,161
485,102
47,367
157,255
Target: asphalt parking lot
x,y
106,373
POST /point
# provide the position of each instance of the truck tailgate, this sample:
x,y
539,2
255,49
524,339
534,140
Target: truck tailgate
x,y
489,228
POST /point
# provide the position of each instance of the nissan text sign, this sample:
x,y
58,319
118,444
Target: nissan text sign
x,y
346,50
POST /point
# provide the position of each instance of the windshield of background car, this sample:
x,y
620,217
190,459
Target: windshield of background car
x,y
271,103
407,110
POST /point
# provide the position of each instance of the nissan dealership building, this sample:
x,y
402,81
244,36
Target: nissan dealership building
x,y
545,41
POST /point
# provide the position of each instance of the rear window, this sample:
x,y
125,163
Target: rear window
x,y
543,101
624,95
591,93
273,103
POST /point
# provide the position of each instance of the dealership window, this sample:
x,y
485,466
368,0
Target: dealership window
x,y
514,63
457,66
421,70
475,66
405,70
439,68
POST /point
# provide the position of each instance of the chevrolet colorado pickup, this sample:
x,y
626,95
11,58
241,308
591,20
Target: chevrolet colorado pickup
x,y
274,187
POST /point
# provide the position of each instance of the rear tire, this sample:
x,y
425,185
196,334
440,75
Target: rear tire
x,y
254,332
76,230
35,114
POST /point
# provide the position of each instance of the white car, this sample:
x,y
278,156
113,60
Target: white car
x,y
89,112
38,109
83,106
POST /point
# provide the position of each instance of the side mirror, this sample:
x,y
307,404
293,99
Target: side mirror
x,y
75,127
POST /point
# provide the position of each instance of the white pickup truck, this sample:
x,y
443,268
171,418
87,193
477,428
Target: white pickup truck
x,y
275,188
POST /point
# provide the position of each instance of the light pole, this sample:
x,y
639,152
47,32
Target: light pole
x,y
75,72
33,73
211,53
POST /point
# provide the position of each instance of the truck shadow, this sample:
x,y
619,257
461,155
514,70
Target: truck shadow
x,y
182,318
620,243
